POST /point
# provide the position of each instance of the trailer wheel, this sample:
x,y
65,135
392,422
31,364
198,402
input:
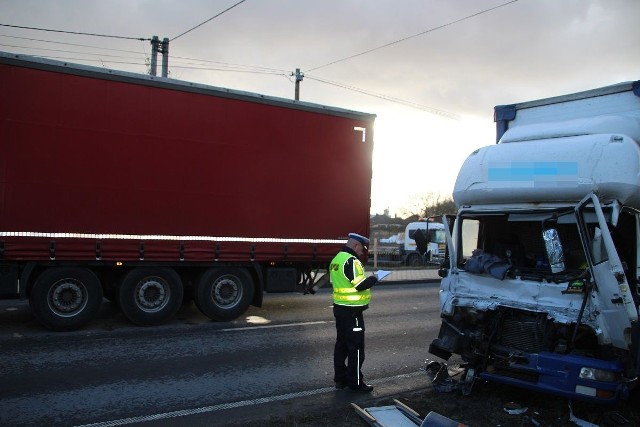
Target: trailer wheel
x,y
224,294
65,299
150,296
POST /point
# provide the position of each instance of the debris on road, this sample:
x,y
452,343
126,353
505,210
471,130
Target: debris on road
x,y
400,415
513,408
441,378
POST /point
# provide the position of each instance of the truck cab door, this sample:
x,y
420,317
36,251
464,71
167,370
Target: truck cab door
x,y
613,294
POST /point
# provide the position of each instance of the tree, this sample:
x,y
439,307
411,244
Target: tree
x,y
442,207
429,204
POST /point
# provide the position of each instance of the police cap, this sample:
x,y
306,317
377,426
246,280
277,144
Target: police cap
x,y
360,239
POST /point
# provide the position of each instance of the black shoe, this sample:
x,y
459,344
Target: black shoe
x,y
362,388
340,385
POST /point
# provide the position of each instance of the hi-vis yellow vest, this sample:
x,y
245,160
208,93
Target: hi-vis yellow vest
x,y
344,291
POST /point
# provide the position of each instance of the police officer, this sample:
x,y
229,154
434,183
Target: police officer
x,y
351,296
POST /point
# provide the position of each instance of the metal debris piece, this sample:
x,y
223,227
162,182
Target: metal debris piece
x,y
389,416
513,408
400,415
578,421
441,379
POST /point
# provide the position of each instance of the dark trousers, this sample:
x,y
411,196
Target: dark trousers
x,y
350,348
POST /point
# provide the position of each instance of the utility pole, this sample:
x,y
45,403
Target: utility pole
x,y
155,42
299,77
165,57
162,47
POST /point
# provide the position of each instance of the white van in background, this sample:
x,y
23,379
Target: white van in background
x,y
435,251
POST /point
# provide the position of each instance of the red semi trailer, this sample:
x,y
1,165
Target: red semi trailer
x,y
145,190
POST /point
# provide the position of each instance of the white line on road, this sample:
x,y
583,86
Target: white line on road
x,y
246,328
231,405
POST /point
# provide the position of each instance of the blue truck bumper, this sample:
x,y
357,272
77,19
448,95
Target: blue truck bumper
x,y
561,375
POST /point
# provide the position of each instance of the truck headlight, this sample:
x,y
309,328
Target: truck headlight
x,y
597,375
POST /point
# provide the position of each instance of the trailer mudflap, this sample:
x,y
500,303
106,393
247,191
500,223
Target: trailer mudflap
x,y
8,279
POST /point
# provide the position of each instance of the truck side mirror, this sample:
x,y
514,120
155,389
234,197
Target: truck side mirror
x,y
422,241
553,247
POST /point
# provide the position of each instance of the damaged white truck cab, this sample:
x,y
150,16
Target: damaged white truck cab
x,y
540,286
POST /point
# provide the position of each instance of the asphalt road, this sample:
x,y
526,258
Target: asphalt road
x,y
196,372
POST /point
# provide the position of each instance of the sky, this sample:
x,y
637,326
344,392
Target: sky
x,y
431,70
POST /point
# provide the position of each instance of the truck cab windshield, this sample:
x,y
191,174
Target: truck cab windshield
x,y
517,241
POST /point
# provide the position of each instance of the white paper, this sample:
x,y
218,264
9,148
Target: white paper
x,y
381,274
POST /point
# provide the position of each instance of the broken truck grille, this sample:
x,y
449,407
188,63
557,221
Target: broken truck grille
x,y
522,335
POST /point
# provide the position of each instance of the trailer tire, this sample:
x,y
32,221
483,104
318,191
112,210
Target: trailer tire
x,y
150,296
65,298
224,294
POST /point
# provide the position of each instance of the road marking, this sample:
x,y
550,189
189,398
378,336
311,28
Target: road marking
x,y
257,320
232,405
286,325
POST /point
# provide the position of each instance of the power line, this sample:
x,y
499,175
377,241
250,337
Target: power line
x,y
198,61
415,35
196,67
68,44
186,62
213,17
65,58
228,67
231,65
69,51
411,104
75,32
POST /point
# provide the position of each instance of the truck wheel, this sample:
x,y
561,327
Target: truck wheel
x,y
224,294
150,296
415,260
65,299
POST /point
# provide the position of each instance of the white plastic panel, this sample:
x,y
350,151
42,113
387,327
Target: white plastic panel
x,y
552,170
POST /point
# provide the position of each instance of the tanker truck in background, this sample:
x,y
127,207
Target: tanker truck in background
x,y
145,190
540,286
